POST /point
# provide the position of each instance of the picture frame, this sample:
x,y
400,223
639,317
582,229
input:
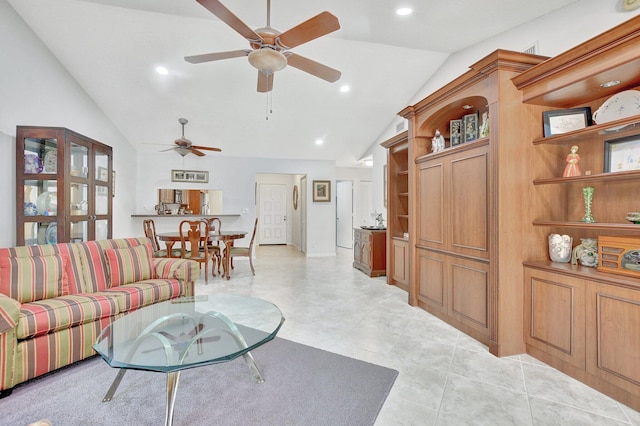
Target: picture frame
x,y
622,154
321,191
561,121
455,132
469,127
197,176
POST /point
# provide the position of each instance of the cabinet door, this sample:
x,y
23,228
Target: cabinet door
x,y
613,336
400,262
468,285
357,248
432,278
554,320
431,205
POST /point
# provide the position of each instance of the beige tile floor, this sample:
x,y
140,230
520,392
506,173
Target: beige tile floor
x,y
446,378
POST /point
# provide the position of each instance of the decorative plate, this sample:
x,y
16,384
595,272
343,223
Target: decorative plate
x,y
52,233
32,163
47,204
30,209
621,105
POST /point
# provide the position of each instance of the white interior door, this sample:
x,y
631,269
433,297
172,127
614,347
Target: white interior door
x,y
273,214
344,213
365,204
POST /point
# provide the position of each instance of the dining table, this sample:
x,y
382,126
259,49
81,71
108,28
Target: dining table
x,y
227,237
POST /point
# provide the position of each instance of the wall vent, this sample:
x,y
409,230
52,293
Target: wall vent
x,y
533,49
400,126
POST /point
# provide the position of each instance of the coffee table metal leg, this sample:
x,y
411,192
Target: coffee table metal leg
x,y
114,385
172,390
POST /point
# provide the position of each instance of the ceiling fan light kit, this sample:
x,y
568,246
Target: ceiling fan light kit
x,y
267,60
269,46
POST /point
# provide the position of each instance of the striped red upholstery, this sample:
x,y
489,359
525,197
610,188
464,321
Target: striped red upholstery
x,y
144,293
27,279
129,265
46,316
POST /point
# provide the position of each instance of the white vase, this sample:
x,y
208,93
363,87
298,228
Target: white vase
x,y
560,248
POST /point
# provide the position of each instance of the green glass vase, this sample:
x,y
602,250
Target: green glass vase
x,y
587,194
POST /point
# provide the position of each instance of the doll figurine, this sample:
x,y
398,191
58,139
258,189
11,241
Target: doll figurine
x,y
572,168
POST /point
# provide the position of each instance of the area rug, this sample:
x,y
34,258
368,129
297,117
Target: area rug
x,y
303,386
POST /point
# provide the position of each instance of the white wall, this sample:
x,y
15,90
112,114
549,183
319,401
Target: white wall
x,y
36,90
237,178
555,33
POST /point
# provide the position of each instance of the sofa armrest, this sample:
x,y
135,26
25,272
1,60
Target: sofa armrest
x,y
184,270
9,313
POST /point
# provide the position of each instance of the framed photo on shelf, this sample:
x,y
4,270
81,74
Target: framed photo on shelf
x,y
566,120
470,127
321,191
198,176
455,132
622,155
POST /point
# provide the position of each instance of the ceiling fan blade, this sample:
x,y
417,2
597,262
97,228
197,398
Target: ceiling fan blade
x,y
196,152
208,57
218,9
314,68
265,82
319,25
207,148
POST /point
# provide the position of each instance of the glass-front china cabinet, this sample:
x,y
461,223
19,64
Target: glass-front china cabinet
x,y
64,184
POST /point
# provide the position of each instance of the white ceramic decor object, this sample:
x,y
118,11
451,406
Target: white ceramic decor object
x,y
621,105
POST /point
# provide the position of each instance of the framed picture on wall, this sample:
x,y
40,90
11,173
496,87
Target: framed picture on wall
x,y
561,121
455,130
321,190
470,127
199,176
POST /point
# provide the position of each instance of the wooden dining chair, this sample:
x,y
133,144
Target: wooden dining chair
x,y
215,226
244,251
149,227
193,238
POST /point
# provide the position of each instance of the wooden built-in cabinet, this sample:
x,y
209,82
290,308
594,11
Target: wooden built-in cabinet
x,y
578,319
370,251
64,186
468,203
398,271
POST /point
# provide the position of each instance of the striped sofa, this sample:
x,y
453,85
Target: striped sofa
x,y
55,299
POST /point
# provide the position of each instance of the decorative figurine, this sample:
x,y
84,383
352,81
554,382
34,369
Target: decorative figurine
x,y
586,253
484,127
572,168
437,143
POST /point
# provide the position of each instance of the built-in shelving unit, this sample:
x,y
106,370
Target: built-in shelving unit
x,y
581,320
398,199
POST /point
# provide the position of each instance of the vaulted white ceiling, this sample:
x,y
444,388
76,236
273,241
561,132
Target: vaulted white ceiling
x,y
111,47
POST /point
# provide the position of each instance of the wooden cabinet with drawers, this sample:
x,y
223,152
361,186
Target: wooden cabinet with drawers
x,y
370,251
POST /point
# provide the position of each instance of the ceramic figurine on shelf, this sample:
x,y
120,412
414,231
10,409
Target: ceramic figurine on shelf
x,y
586,253
437,143
572,168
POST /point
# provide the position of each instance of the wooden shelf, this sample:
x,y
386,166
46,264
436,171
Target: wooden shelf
x,y
598,225
629,123
450,150
598,177
591,274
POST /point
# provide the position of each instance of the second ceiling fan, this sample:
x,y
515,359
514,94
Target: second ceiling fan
x,y
270,49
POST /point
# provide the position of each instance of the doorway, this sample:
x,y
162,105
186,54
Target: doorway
x,y
273,214
344,213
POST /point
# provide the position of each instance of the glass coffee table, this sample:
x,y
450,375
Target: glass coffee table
x,y
188,332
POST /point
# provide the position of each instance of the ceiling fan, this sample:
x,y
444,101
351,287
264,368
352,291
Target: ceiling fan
x,y
184,145
270,48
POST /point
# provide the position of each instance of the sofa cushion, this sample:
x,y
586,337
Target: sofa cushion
x,y
27,279
129,265
145,293
45,316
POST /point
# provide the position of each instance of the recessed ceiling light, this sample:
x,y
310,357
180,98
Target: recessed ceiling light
x,y
345,88
404,11
319,141
162,70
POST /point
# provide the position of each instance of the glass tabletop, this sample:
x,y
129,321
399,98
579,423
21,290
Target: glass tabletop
x,y
188,332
